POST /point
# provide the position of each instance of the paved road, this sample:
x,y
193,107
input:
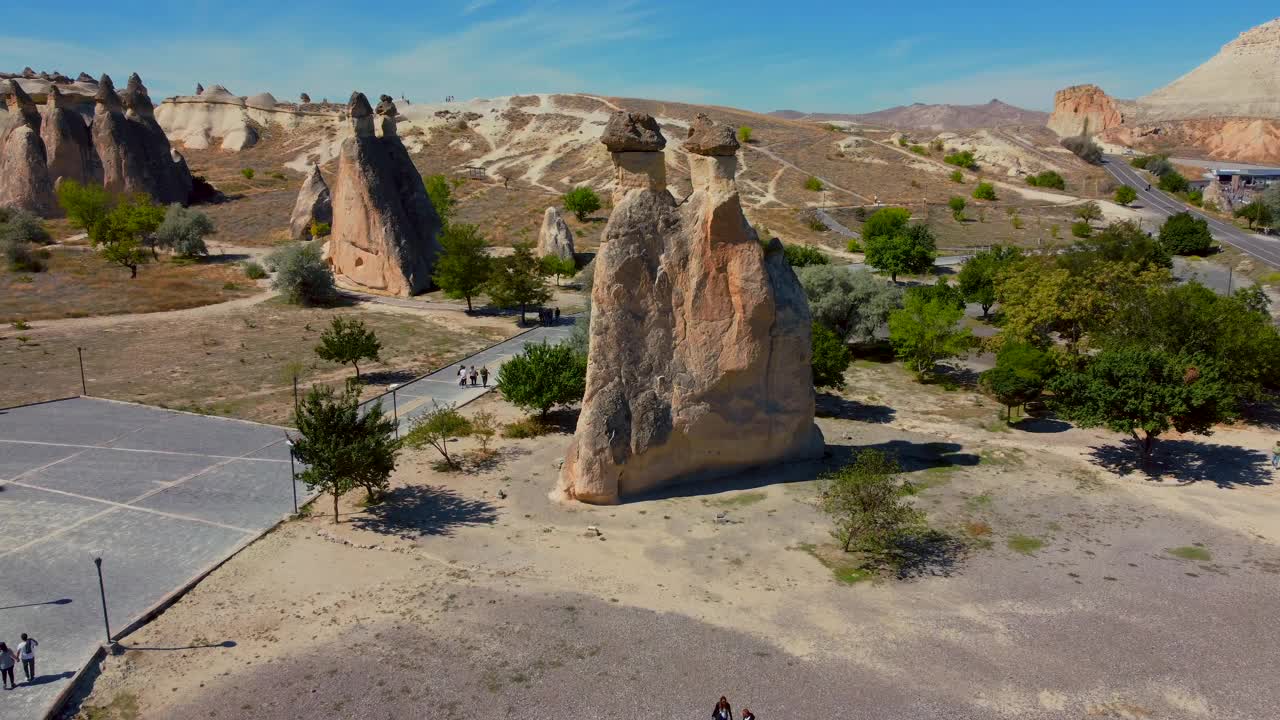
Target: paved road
x,y
1263,248
416,397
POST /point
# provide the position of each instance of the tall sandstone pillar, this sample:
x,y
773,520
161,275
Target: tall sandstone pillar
x,y
24,175
700,337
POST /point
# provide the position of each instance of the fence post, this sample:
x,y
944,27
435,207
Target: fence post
x,y
84,389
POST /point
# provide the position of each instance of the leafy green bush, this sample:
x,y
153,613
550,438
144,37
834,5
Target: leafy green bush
x,y
1081,229
1159,165
1047,179
804,256
984,191
543,376
867,503
813,183
957,205
581,201
1173,182
963,158
957,176
440,192
1195,197
744,134
20,226
853,304
918,149
247,173
320,229
1125,195
1256,213
527,428
254,271
1186,234
853,246
302,275
830,357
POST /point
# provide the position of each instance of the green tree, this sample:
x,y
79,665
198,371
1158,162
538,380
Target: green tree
x,y
1047,179
120,235
1148,390
543,376
302,275
1174,182
813,183
438,427
183,231
799,256
909,251
1089,212
1186,234
517,281
886,222
984,191
348,341
558,267
853,304
1081,229
925,331
440,192
581,201
1020,375
830,357
744,134
867,503
85,205
963,158
977,280
957,205
1123,241
1125,195
340,448
1256,213
464,266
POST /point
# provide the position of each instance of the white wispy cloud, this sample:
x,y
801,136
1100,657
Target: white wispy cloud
x,y
476,6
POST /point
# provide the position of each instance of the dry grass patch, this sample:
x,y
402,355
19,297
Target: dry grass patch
x,y
79,283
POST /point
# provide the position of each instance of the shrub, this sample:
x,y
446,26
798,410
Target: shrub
x,y
957,205
957,177
20,226
903,142
440,192
853,246
581,201
868,504
830,357
1173,182
1047,179
918,149
1195,197
320,229
1159,165
744,134
853,304
254,271
963,159
1089,211
1081,229
526,428
1125,195
84,205
1186,234
247,173
22,257
984,191
804,256
438,427
543,376
813,183
1084,148
302,276
936,145
183,231
1256,213
815,224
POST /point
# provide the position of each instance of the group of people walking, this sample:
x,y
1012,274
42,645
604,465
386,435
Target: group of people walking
x,y
469,376
25,654
724,711
549,316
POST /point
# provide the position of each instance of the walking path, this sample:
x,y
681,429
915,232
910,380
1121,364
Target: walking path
x,y
441,387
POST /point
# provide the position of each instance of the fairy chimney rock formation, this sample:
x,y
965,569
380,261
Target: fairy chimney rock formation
x,y
555,237
24,176
385,231
313,205
134,152
68,146
636,143
1084,110
199,89
700,337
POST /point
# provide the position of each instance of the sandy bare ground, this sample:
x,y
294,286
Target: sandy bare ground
x,y
1091,593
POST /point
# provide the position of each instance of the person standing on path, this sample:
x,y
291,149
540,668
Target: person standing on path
x,y
7,660
484,377
462,375
473,375
747,714
1275,455
723,710
27,654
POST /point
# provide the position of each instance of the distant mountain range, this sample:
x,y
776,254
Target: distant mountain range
x,y
932,117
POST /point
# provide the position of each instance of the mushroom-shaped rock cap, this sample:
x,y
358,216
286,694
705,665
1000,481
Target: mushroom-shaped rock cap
x,y
710,138
85,77
358,106
633,132
16,97
386,106
135,95
106,90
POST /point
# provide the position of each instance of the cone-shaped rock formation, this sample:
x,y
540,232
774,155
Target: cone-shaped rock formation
x,y
67,142
24,175
555,237
313,205
700,338
385,230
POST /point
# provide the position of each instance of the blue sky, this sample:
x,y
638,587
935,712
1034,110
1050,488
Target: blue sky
x,y
848,56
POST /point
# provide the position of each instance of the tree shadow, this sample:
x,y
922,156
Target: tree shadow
x,y
835,406
476,463
1188,461
1265,415
387,377
1041,425
205,646
954,377
421,510
911,456
926,553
